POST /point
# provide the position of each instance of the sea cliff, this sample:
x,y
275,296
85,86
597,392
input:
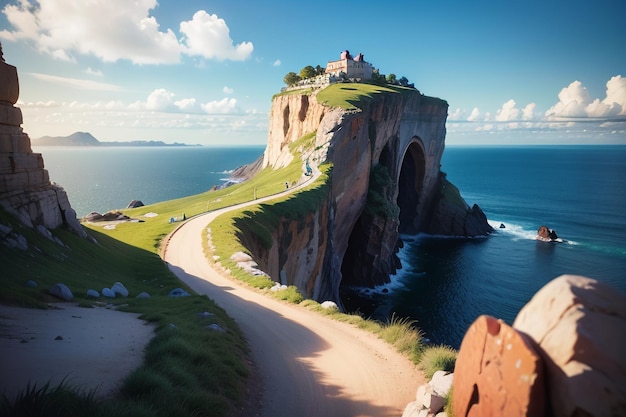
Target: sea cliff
x,y
385,154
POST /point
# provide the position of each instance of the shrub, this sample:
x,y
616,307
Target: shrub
x,y
437,358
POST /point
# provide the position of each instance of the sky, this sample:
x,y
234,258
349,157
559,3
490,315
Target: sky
x,y
204,72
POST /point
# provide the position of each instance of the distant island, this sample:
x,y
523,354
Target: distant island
x,y
87,139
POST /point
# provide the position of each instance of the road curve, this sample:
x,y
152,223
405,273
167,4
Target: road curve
x,y
310,365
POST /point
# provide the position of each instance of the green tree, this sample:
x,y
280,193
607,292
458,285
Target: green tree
x,y
403,81
307,72
391,79
319,70
291,78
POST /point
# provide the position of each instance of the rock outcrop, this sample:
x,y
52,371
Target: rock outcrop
x,y
385,181
25,187
563,357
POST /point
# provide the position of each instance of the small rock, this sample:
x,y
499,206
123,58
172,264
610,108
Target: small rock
x,y
58,338
143,295
178,292
329,304
216,327
91,293
31,283
118,288
107,292
62,291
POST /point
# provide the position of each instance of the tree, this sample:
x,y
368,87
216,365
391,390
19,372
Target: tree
x,y
391,79
403,81
319,70
291,78
307,72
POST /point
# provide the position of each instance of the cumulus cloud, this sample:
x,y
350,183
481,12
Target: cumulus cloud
x,y
575,102
228,90
65,28
208,36
162,100
277,63
509,111
474,115
223,106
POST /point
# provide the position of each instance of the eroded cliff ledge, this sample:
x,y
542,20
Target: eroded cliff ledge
x,y
385,180
25,187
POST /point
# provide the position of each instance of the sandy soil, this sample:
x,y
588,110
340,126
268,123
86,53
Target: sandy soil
x,y
91,348
309,365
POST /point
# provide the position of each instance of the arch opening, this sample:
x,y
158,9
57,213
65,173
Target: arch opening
x,y
410,186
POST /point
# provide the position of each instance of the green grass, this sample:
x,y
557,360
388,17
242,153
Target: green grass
x,y
437,358
355,96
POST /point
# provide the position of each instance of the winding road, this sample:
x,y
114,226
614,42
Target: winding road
x,y
309,365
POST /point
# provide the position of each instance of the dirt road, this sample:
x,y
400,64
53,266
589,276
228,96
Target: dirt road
x,y
310,366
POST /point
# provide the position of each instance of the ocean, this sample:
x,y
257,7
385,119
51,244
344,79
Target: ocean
x,y
445,283
108,178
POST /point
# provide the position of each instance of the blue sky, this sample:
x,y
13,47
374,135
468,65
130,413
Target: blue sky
x,y
204,72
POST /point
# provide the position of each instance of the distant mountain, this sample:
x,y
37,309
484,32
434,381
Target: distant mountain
x,y
75,139
87,139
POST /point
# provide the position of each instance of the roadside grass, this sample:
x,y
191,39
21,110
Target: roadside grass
x,y
194,369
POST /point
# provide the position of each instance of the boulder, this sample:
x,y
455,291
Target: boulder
x,y
135,204
118,288
107,292
579,325
178,292
143,294
62,291
91,293
497,373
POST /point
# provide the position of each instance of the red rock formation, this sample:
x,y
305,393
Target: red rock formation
x,y
579,325
498,373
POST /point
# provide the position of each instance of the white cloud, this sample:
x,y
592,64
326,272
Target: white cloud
x,y
115,30
186,105
508,112
96,73
223,106
474,115
277,63
228,90
575,102
528,112
76,82
208,35
160,100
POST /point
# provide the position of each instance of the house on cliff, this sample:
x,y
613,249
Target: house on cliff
x,y
353,67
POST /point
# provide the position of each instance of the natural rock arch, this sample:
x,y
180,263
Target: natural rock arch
x,y
410,186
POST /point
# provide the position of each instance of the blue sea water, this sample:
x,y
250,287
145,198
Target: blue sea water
x,y
445,283
107,178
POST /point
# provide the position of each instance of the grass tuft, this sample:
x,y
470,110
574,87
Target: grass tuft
x,y
437,358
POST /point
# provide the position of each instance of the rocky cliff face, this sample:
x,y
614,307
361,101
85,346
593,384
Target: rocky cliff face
x,y
25,188
385,181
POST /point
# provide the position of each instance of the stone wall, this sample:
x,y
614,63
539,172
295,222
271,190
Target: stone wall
x,y
25,187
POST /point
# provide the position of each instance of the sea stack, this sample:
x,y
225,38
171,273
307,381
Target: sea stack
x,y
25,187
